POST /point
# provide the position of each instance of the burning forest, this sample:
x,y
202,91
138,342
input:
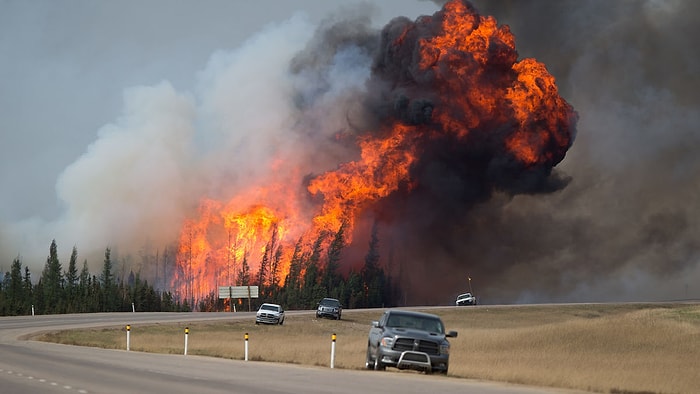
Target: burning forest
x,y
434,116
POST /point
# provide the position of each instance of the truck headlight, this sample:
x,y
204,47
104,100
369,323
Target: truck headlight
x,y
387,342
445,348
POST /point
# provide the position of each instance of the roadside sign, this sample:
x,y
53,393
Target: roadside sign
x,y
238,292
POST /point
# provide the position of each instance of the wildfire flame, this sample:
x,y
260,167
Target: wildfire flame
x,y
448,80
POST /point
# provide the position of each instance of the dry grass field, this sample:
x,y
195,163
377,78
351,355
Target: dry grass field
x,y
606,348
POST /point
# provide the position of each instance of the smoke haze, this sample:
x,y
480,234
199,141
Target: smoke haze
x,y
618,225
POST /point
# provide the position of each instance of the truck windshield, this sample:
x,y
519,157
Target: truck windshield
x,y
416,322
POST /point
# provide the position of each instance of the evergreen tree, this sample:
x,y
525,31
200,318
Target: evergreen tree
x,y
168,302
244,272
52,282
312,291
292,283
373,278
72,282
39,304
353,296
274,273
372,258
14,289
262,272
108,284
272,251
28,290
331,279
3,297
96,295
84,289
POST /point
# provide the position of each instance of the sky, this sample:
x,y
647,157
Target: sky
x,y
103,105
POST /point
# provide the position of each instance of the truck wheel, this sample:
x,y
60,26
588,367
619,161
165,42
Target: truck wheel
x,y
369,363
378,365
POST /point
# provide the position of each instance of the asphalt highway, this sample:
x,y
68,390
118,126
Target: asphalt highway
x,y
36,367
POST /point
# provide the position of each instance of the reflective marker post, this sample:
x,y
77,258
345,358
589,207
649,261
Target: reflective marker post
x,y
128,337
246,346
333,350
187,333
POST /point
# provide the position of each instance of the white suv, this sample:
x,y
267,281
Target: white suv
x,y
466,299
270,314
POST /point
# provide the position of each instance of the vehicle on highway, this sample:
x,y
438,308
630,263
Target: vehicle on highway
x,y
329,307
409,340
270,314
465,299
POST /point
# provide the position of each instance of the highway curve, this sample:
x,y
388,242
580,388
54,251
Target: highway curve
x,y
30,366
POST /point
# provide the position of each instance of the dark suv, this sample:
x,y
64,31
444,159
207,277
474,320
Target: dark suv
x,y
329,307
409,340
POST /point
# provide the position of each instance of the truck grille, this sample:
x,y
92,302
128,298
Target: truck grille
x,y
404,344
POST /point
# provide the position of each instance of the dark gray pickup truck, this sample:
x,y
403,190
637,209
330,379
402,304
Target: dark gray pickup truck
x,y
409,340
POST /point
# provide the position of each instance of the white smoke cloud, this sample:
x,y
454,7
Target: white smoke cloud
x,y
132,183
147,171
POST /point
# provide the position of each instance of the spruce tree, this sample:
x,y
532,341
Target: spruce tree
x,y
312,290
83,292
108,285
373,278
262,272
28,289
274,273
14,290
331,278
292,283
52,282
72,282
244,272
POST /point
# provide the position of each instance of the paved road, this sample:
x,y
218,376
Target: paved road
x,y
32,367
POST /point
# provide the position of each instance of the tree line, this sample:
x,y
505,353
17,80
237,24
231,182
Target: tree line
x,y
73,291
313,274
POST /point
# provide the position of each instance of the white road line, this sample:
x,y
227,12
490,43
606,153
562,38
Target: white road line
x,y
30,377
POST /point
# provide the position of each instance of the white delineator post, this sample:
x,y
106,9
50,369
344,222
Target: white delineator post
x,y
333,350
187,333
246,346
128,337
